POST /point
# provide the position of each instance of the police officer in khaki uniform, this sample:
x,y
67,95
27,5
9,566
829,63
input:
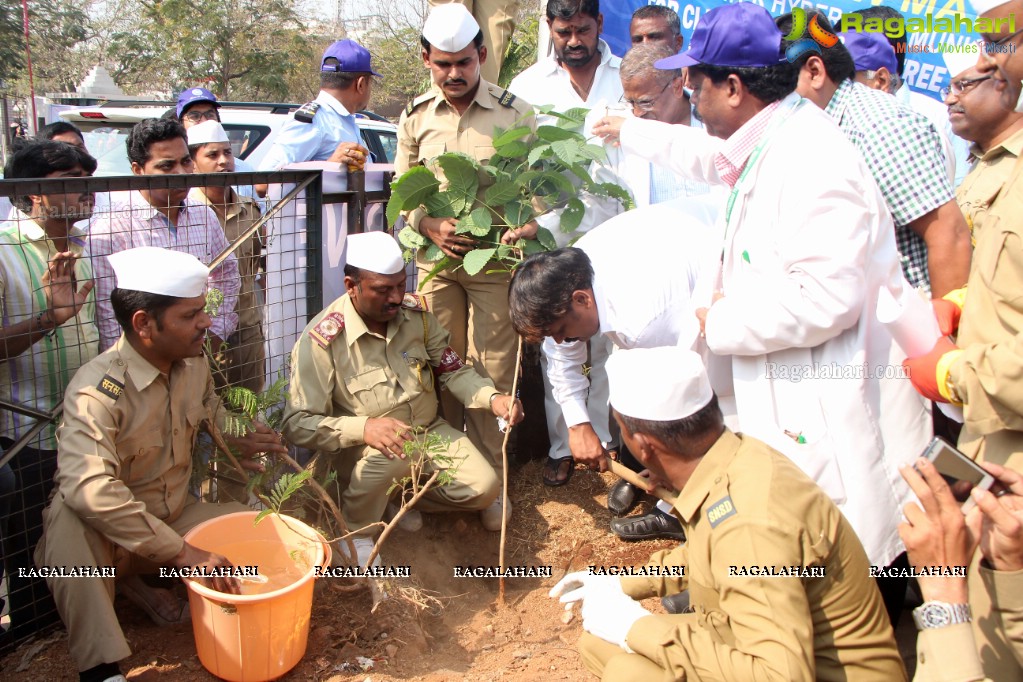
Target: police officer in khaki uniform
x,y
779,584
459,114
981,370
131,418
365,372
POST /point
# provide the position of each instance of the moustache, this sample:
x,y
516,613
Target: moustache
x,y
956,110
457,81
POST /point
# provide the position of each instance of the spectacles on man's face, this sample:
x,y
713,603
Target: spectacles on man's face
x,y
960,86
647,105
1003,41
197,116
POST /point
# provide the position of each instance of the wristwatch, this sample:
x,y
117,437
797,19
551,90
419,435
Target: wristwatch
x,y
939,614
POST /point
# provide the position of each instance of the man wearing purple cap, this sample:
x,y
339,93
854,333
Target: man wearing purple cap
x,y
808,245
325,129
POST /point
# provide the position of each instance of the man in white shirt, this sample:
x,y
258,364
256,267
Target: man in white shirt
x,y
806,250
582,72
630,281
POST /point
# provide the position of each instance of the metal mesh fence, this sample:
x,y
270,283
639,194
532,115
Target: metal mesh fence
x,y
275,260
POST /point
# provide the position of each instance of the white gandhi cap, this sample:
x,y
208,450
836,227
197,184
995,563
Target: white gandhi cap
x,y
658,384
985,6
450,27
206,132
159,271
958,62
376,252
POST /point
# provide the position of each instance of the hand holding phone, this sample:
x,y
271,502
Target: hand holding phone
x,y
960,472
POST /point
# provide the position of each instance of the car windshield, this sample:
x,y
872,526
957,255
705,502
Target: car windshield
x,y
108,147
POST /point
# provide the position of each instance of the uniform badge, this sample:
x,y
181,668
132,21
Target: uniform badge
x,y
449,361
306,113
110,387
719,511
328,328
414,302
426,97
506,99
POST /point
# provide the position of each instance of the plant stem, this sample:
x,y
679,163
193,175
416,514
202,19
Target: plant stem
x,y
218,440
401,512
504,478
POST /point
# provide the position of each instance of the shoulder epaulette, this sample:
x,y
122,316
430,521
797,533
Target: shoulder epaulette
x,y
327,329
307,111
415,302
506,99
110,387
425,97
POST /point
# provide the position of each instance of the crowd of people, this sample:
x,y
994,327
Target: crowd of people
x,y
780,204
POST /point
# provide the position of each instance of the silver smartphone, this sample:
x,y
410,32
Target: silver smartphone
x,y
960,472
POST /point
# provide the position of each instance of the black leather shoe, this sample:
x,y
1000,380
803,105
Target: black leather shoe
x,y
656,524
676,603
622,497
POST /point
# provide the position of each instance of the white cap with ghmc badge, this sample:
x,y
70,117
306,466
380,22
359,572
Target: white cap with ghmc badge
x,y
159,271
659,384
450,27
375,252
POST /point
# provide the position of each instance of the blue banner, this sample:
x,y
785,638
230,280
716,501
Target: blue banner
x,y
925,71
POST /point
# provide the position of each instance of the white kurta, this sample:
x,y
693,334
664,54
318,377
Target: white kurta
x,y
809,246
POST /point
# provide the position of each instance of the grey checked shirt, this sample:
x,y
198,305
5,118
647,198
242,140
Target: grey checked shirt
x,y
904,154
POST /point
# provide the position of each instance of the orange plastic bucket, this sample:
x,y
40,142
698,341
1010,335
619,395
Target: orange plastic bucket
x,y
260,634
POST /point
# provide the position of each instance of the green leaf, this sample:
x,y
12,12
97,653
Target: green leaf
x,y
433,253
553,134
536,153
573,118
543,183
477,223
410,191
441,265
531,246
566,151
572,216
511,135
619,193
501,192
593,152
504,251
477,259
513,150
546,238
518,213
412,239
461,174
445,204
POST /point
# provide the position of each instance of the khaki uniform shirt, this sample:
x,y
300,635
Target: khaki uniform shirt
x,y
987,374
984,183
240,214
124,453
430,126
342,375
748,507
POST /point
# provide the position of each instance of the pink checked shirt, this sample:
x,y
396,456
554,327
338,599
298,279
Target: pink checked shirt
x,y
737,148
133,222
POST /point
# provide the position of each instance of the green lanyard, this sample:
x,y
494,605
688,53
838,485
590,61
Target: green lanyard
x,y
779,118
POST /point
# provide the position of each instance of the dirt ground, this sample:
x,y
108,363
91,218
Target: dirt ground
x,y
462,635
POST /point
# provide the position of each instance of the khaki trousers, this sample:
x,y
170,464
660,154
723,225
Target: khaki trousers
x,y
497,21
611,663
474,310
86,605
369,475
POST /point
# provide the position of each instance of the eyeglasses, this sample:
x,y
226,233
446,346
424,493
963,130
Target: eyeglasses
x,y
197,116
646,105
960,86
999,43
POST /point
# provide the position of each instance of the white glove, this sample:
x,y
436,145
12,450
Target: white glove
x,y
611,615
582,585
